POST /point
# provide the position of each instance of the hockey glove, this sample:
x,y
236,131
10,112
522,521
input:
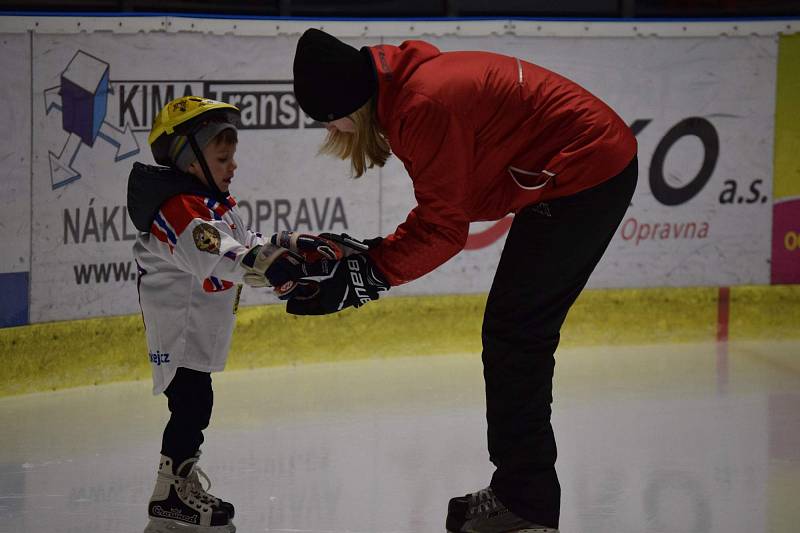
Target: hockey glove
x,y
323,246
347,244
272,266
352,281
311,247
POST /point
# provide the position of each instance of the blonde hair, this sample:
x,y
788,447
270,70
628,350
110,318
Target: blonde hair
x,y
366,147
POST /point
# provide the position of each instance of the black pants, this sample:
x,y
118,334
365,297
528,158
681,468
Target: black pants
x,y
548,256
190,399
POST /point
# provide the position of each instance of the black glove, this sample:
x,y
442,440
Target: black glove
x,y
352,281
269,265
283,259
347,245
310,247
372,243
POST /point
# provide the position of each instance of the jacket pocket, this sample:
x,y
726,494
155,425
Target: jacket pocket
x,y
532,180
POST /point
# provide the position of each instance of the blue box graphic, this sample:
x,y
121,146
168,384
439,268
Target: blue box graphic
x,y
14,304
84,96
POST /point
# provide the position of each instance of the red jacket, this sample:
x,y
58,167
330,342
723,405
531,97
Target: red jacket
x,y
483,135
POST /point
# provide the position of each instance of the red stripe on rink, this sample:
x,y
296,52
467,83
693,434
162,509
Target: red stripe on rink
x,y
487,237
723,313
723,316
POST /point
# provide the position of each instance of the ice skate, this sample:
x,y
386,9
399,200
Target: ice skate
x,y
482,512
194,477
180,503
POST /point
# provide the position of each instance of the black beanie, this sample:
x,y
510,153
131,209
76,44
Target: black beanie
x,y
331,79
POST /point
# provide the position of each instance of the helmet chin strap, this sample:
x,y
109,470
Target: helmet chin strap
x,y
206,171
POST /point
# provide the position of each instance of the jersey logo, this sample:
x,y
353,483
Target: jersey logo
x,y
206,238
159,358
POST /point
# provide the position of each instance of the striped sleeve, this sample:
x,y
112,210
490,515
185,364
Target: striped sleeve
x,y
198,238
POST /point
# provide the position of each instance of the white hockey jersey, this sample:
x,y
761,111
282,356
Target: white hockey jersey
x,y
189,283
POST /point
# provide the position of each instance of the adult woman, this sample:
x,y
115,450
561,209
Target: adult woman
x,y
482,135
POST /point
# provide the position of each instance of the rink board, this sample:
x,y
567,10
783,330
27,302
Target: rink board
x,y
702,107
57,355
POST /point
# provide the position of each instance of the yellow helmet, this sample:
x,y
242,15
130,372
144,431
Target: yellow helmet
x,y
181,117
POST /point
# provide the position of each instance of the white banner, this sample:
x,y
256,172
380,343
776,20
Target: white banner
x,y
702,109
15,190
82,252
15,152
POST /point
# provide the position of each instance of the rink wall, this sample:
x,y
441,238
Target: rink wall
x,y
710,102
717,206
56,355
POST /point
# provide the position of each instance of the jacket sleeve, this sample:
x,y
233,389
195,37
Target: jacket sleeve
x,y
436,147
198,240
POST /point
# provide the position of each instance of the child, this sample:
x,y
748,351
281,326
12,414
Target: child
x,y
192,256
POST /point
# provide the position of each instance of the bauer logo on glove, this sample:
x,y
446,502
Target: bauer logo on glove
x,y
351,282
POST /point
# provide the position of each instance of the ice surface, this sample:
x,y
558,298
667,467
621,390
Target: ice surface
x,y
676,438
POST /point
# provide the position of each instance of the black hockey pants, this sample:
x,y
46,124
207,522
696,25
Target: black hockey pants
x,y
190,399
549,253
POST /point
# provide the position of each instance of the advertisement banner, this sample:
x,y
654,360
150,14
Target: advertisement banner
x,y
95,98
15,193
702,110
786,215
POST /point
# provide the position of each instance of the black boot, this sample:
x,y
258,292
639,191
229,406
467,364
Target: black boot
x,y
482,512
179,500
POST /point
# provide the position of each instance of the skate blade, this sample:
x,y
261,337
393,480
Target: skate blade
x,y
161,525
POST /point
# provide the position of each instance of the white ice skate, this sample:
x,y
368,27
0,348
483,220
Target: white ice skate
x,y
180,503
482,512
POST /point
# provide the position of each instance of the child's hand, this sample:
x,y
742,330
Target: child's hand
x,y
290,256
301,289
272,266
310,247
313,248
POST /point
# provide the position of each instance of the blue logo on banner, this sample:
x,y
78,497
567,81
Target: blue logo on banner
x,y
82,99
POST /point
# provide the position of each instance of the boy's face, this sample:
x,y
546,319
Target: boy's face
x,y
221,163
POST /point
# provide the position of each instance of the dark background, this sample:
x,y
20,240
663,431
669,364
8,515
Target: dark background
x,y
428,8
